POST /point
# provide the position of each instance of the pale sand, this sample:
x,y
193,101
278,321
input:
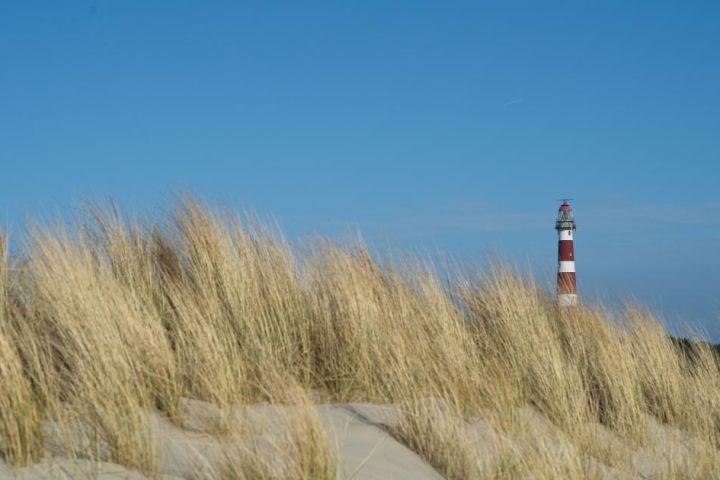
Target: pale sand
x,y
359,435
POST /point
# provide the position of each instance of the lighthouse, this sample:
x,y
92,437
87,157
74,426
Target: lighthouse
x,y
565,226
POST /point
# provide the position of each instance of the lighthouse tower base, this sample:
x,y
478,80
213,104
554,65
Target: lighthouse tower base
x,y
567,299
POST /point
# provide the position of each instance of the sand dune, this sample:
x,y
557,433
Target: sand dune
x,y
361,436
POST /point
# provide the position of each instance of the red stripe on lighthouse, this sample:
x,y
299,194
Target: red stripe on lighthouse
x,y
566,251
566,282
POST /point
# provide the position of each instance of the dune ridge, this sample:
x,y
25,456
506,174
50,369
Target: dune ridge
x,y
127,345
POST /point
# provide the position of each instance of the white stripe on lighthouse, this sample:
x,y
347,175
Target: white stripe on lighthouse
x,y
566,267
567,299
566,234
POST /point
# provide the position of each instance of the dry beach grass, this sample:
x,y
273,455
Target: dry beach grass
x,y
104,322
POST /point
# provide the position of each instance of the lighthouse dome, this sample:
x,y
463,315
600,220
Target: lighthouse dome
x,y
565,218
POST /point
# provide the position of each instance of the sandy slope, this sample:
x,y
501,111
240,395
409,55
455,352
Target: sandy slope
x,y
356,431
359,433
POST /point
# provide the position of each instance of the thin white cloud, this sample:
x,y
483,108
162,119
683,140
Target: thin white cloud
x,y
485,217
512,102
643,217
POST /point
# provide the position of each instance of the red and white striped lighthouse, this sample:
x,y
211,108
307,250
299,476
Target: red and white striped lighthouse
x,y
566,287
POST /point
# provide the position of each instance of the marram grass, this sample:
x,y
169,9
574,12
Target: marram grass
x,y
103,319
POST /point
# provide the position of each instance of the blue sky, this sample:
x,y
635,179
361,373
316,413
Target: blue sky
x,y
427,126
